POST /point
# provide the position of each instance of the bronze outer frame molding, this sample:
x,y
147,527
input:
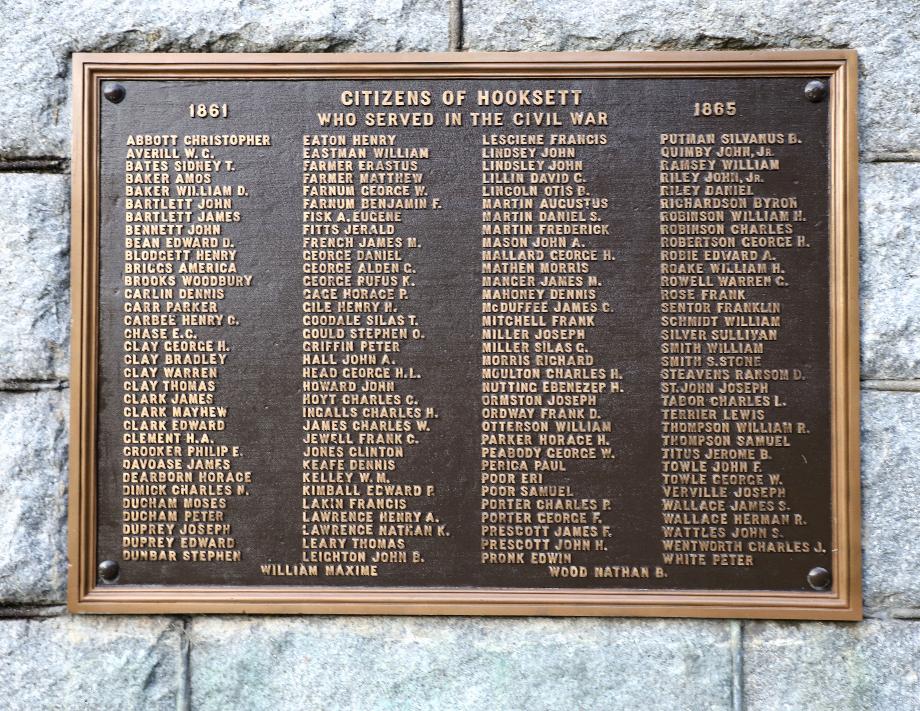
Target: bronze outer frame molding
x,y
842,602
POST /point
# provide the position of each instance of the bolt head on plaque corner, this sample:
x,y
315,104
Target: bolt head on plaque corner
x,y
108,571
114,92
815,91
819,578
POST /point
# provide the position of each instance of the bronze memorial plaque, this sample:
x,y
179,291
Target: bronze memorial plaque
x,y
536,334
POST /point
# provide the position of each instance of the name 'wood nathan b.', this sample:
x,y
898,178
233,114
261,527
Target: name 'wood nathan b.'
x,y
561,334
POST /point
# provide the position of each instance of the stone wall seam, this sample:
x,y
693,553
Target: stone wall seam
x,y
38,164
891,385
31,386
184,673
455,26
905,157
28,612
906,614
737,648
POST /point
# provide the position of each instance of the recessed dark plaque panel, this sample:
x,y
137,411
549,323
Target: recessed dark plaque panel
x,y
537,334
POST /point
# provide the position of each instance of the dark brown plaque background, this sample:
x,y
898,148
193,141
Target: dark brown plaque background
x,y
261,382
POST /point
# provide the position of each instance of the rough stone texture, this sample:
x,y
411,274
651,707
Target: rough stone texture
x,y
885,34
891,490
64,662
33,492
39,38
870,666
458,664
73,663
889,271
34,277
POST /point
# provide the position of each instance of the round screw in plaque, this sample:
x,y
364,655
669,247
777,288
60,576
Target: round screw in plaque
x,y
108,571
815,91
819,578
114,92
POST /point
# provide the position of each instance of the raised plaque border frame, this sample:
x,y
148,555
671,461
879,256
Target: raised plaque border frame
x,y
85,594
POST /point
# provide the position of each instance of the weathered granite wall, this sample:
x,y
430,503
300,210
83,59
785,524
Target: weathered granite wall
x,y
51,660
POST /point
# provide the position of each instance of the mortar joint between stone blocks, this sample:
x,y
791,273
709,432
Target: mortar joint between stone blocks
x,y
892,385
736,645
455,26
27,612
37,164
25,385
184,680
